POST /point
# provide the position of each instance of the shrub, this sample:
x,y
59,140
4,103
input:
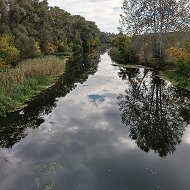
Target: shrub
x,y
50,49
9,54
76,47
37,48
177,54
28,47
63,47
183,67
181,59
153,62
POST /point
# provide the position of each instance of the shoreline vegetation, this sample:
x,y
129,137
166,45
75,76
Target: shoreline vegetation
x,y
175,68
172,75
21,84
176,78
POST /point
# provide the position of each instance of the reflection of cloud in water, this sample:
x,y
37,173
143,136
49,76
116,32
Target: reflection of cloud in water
x,y
186,137
89,148
96,99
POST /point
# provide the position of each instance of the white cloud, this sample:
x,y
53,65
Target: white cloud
x,y
104,12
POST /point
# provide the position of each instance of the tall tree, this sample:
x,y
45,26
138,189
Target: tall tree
x,y
155,18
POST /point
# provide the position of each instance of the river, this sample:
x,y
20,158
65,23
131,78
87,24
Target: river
x,y
101,127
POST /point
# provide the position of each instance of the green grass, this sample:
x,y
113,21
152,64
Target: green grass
x,y
28,79
176,78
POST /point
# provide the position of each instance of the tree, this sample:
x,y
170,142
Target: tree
x,y
9,54
155,18
38,28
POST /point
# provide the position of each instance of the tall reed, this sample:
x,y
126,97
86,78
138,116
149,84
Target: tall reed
x,y
21,83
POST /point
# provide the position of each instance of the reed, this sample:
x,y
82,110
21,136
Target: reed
x,y
18,85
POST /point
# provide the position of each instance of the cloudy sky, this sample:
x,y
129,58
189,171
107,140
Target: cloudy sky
x,y
104,12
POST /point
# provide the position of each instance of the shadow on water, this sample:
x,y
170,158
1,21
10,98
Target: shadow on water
x,y
155,112
12,128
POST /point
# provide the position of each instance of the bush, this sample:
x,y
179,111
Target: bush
x,y
50,49
76,47
177,54
181,59
184,68
63,47
37,49
28,47
9,54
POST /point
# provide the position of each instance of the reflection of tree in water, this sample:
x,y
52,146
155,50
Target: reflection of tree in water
x,y
154,112
13,128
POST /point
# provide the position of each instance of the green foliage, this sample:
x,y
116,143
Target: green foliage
x,y
19,94
64,47
183,67
187,49
27,46
40,29
123,52
178,79
9,54
116,55
122,42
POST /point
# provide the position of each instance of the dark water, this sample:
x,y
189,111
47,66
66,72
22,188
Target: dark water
x,y
100,128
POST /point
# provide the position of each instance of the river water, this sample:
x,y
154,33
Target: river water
x,y
101,127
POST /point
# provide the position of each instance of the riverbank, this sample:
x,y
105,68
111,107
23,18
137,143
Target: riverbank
x,y
21,84
176,78
168,72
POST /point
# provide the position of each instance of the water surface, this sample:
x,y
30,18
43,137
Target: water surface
x,y
100,128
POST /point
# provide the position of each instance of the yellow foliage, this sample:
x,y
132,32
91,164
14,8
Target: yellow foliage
x,y
37,47
51,49
8,52
177,54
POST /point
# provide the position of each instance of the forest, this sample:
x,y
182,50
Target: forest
x,y
31,28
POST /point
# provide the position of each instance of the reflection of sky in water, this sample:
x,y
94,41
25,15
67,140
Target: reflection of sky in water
x,y
83,147
96,99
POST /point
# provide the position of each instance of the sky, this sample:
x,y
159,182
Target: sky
x,y
106,13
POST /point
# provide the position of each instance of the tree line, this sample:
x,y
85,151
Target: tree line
x,y
32,28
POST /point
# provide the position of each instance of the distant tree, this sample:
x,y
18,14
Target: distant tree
x,y
155,18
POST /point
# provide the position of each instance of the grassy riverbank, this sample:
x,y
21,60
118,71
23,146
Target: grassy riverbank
x,y
19,85
176,78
